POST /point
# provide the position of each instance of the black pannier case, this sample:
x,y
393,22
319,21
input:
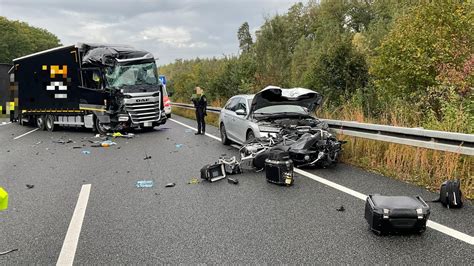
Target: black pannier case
x,y
279,168
396,214
213,172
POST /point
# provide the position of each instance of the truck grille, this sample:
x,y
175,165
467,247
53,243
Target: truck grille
x,y
143,109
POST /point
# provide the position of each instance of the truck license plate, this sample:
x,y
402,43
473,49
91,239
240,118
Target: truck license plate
x,y
147,124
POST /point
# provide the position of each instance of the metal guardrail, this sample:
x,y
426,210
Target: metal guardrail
x,y
418,137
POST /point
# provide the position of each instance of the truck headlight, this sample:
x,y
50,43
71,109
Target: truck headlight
x,y
268,129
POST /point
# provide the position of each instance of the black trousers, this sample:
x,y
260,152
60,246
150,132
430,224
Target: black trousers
x,y
200,114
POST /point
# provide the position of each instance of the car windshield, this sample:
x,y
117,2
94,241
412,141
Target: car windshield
x,y
138,74
278,109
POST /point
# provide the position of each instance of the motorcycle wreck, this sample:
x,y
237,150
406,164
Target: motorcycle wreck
x,y
308,140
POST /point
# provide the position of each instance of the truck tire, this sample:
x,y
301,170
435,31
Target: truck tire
x,y
49,123
40,122
99,128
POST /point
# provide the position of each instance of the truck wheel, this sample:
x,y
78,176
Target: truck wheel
x,y
40,122
49,122
99,127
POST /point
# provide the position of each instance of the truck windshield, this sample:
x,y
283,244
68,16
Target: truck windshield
x,y
138,74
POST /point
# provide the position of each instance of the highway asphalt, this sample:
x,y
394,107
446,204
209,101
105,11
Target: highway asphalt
x,y
252,222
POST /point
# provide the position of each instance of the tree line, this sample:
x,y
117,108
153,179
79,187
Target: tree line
x,y
406,63
18,39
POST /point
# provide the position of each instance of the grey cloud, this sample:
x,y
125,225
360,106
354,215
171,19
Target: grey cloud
x,y
169,29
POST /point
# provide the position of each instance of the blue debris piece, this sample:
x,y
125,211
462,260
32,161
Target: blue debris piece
x,y
144,184
86,152
179,146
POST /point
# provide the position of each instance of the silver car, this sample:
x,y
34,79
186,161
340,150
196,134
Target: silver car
x,y
266,113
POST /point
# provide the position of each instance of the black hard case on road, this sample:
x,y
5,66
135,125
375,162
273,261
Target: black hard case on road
x,y
279,168
396,214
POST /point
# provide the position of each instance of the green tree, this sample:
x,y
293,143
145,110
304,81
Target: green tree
x,y
19,39
245,38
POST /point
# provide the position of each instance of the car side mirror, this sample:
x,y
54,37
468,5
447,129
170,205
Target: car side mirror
x,y
240,112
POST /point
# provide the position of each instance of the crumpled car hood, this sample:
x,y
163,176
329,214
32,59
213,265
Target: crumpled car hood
x,y
272,95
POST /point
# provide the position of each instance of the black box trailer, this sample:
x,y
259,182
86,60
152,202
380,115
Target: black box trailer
x,y
106,87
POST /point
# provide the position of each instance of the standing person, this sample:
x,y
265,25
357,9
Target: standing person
x,y
200,103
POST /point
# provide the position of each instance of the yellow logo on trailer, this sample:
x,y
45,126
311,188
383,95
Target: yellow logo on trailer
x,y
57,85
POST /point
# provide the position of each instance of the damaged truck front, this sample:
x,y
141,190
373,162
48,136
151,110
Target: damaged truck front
x,y
105,87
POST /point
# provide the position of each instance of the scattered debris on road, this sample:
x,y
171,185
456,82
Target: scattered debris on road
x,y
30,186
234,181
188,130
61,141
178,146
147,157
8,251
86,152
120,135
193,181
107,143
3,199
341,209
144,184
170,185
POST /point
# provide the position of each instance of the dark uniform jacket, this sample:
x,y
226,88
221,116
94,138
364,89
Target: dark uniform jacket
x,y
200,104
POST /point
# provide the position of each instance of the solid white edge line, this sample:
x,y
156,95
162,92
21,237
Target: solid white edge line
x,y
22,135
5,123
207,134
68,250
431,224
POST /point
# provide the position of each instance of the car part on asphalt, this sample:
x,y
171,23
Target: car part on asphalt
x,y
8,251
170,185
193,181
234,181
213,173
341,209
231,165
396,214
144,184
3,199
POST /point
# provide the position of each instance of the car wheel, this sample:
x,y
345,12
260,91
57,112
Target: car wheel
x,y
49,123
40,122
99,127
224,138
250,135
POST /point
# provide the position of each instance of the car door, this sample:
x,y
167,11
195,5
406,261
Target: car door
x,y
228,118
240,121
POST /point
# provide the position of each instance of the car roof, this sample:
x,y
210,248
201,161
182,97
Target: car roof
x,y
245,96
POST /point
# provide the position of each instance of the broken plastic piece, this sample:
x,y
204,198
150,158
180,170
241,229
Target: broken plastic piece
x,y
144,184
117,134
107,143
86,152
179,146
8,251
30,186
3,199
234,181
193,181
170,185
147,157
341,209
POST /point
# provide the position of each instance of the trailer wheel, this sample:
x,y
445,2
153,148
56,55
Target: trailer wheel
x,y
99,127
50,126
40,122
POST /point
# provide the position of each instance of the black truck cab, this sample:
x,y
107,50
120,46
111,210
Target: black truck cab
x,y
106,87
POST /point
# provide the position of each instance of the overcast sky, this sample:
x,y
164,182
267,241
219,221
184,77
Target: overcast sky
x,y
169,29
